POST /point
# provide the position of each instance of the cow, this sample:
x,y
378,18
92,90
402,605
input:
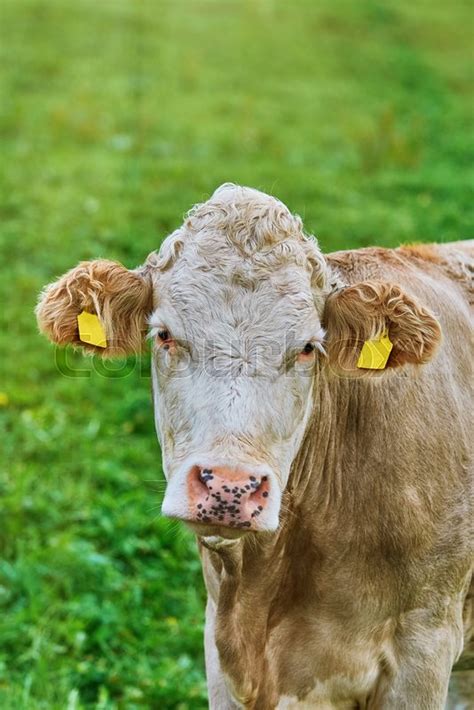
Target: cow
x,y
331,494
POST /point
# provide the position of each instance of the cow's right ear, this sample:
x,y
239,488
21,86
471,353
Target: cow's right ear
x,y
122,300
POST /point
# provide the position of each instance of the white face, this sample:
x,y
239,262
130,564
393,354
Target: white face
x,y
235,334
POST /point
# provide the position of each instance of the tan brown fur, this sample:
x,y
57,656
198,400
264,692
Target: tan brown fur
x,y
121,298
426,252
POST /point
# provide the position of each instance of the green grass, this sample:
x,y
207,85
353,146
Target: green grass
x,y
116,117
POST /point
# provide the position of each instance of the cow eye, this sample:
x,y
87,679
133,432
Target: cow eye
x,y
308,349
164,339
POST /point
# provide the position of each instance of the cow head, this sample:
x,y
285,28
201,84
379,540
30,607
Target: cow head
x,y
233,306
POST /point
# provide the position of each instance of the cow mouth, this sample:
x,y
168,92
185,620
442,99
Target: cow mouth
x,y
204,530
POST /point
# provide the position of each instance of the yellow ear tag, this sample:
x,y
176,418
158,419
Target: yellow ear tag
x,y
374,353
91,330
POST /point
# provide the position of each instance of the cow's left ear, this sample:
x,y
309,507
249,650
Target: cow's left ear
x,y
365,311
116,302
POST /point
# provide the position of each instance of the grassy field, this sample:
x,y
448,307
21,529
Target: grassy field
x,y
115,117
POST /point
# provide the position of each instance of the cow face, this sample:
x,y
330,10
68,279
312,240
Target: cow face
x,y
235,334
233,305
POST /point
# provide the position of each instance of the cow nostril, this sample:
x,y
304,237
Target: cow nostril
x,y
201,481
258,489
254,484
205,475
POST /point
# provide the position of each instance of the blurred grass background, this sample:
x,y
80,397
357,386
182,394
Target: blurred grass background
x,y
115,117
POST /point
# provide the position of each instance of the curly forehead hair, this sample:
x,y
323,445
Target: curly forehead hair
x,y
243,224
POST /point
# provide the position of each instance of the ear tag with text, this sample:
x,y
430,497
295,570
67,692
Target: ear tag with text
x,y
374,353
91,330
